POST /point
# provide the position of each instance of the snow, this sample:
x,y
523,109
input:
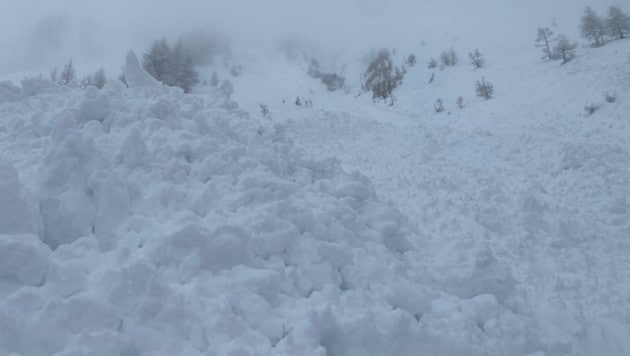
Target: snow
x,y
139,220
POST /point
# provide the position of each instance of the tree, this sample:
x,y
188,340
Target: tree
x,y
67,74
99,79
484,89
54,75
617,23
382,77
156,60
564,50
544,38
171,65
476,59
592,27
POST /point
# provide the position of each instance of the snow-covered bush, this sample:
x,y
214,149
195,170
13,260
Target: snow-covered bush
x,y
484,89
476,59
610,96
448,58
438,105
591,108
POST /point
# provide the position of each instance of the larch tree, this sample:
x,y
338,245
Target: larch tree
x,y
617,23
592,27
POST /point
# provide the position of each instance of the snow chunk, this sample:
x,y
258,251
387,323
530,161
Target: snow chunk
x,y
135,76
9,92
23,258
19,214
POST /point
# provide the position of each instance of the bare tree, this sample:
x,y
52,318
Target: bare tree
x,y
476,59
545,39
67,74
592,27
564,49
617,23
484,89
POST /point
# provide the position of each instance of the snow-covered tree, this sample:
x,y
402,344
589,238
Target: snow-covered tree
x,y
156,60
544,39
476,59
170,65
617,23
99,79
592,27
382,77
564,49
67,74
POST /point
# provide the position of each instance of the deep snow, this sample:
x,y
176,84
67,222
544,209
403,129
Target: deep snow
x,y
143,221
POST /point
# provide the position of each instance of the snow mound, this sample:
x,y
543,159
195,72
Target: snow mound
x,y
174,226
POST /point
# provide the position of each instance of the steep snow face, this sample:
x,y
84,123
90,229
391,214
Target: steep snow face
x,y
145,221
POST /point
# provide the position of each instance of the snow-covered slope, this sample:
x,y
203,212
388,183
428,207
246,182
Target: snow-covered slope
x,y
142,221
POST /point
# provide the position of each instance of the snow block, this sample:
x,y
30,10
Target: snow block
x,y
135,76
23,259
19,214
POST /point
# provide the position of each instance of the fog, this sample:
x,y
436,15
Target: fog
x,y
39,34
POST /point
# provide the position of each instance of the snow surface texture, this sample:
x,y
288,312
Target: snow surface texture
x,y
169,225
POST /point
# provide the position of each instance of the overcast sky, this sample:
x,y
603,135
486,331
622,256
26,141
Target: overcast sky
x,y
37,34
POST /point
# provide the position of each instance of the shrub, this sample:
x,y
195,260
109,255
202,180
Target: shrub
x,y
591,108
484,89
411,60
432,63
438,105
449,58
610,96
264,110
460,102
476,59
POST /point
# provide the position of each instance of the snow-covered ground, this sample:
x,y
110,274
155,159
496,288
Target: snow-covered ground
x,y
145,221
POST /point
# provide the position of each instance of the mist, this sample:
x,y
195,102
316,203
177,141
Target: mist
x,y
38,35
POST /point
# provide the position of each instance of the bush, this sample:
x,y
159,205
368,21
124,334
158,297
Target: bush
x,y
460,102
411,60
438,106
432,63
264,110
476,59
591,108
484,89
610,96
449,58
